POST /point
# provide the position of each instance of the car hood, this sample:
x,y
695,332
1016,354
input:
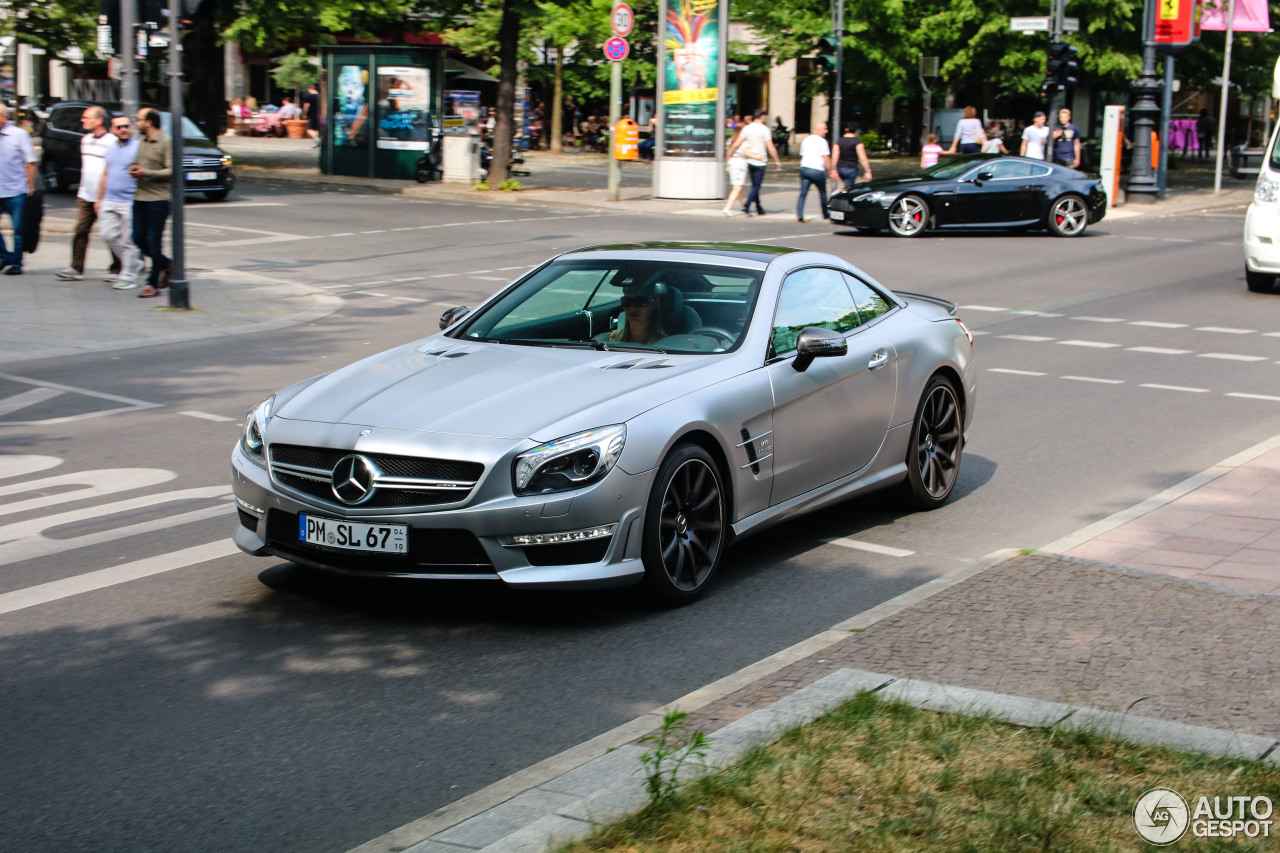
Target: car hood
x,y
891,184
502,390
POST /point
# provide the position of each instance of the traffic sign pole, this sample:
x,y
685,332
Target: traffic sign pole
x,y
621,19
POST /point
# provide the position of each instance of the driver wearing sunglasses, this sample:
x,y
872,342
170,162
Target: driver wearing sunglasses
x,y
643,313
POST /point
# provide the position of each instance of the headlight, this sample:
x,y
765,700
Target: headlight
x,y
1267,190
255,427
226,160
570,462
875,196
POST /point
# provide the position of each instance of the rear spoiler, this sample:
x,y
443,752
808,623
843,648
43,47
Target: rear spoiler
x,y
936,300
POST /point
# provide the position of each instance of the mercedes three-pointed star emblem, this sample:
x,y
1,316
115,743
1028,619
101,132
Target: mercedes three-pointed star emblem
x,y
353,479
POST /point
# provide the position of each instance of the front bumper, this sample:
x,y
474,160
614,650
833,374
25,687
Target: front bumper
x,y
224,179
463,543
1262,238
858,214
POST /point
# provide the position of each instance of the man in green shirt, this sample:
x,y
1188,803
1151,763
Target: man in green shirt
x,y
153,169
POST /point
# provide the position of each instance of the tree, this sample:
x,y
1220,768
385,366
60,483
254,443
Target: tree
x,y
296,71
271,25
54,25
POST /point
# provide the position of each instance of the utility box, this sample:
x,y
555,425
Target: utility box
x,y
381,104
462,160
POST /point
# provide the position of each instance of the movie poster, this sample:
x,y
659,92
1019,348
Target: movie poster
x,y
690,77
351,107
404,108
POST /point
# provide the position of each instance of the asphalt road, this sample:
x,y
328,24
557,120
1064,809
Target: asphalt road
x,y
232,703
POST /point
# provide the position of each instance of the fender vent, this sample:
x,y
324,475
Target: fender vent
x,y
751,451
637,364
446,351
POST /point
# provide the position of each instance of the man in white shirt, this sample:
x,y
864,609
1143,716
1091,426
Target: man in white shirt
x,y
289,110
93,148
17,181
1034,138
756,142
815,164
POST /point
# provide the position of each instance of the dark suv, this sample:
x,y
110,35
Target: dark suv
x,y
207,168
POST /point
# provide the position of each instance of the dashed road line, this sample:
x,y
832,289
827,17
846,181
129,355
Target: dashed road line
x,y
1226,356
1099,319
1029,313
1155,324
206,416
1160,350
1094,379
368,293
1160,387
1031,338
376,231
1225,330
1092,344
444,275
1015,372
1253,396
983,308
411,278
344,234
406,299
871,547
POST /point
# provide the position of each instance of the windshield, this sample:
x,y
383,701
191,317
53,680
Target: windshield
x,y
643,305
189,128
947,169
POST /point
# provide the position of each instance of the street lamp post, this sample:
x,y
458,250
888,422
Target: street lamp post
x,y
179,296
1142,180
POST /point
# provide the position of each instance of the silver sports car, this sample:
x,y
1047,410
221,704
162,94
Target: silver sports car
x,y
619,414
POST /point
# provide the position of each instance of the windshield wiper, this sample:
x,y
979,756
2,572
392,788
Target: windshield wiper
x,y
620,347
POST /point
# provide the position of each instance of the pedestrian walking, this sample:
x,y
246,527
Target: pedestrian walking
x,y
815,166
115,203
311,112
152,168
994,143
1035,138
756,142
969,136
736,164
93,147
930,152
1066,141
17,181
1204,134
850,155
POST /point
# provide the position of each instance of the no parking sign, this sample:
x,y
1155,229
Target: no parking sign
x,y
616,49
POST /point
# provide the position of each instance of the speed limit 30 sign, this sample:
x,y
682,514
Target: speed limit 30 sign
x,y
622,19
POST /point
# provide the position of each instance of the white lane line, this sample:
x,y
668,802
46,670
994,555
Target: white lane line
x,y
21,465
1099,319
1095,379
344,234
1268,334
205,416
1225,330
1223,216
490,277
1253,396
409,228
333,286
976,332
1226,356
406,299
508,269
445,275
1174,388
1175,240
130,403
1153,324
982,308
1014,372
1159,350
27,398
1094,344
872,547
44,593
1131,237
1029,313
376,231
411,278
1031,338
228,205
370,283
368,293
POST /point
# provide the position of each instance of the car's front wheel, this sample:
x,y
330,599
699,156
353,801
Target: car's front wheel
x,y
684,526
909,216
1259,282
937,441
1068,216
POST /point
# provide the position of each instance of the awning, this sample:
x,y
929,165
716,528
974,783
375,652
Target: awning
x,y
455,70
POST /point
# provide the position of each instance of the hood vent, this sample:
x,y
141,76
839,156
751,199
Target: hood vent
x,y
638,364
446,351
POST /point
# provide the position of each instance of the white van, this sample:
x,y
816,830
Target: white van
x,y
1262,221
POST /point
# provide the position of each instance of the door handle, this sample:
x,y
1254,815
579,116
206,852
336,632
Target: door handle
x,y
878,360
945,192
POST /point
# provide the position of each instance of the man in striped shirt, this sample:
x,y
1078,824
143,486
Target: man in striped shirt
x,y
93,148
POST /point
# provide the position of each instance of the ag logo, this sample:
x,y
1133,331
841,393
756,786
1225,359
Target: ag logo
x,y
1161,816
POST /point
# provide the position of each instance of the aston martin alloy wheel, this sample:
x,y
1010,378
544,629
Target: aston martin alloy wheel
x,y
684,529
909,216
1068,217
937,441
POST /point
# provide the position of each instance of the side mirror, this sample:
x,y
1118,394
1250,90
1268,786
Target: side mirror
x,y
814,342
453,315
984,176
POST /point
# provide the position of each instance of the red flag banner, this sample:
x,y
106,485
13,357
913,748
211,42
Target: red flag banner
x,y
1251,16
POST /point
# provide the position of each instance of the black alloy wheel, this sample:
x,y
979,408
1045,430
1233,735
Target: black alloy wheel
x,y
909,216
937,442
684,528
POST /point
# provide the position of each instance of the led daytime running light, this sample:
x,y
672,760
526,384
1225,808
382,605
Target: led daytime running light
x,y
557,538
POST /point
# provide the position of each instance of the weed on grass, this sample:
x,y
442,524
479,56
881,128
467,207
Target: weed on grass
x,y
885,777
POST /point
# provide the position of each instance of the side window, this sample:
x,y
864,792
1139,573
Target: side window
x,y
812,297
1039,171
1010,169
67,118
870,303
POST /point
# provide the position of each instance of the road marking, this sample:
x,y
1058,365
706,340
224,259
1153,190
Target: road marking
x,y
94,484
1225,330
370,283
983,308
1099,319
411,278
1160,350
1153,324
377,231
46,592
333,286
22,465
406,299
1174,388
509,269
368,293
1253,396
1015,372
1095,379
1271,334
1132,237
1028,313
1175,240
1032,338
490,277
132,405
1093,344
205,416
27,398
872,547
344,234
225,205
1226,356
409,228
444,275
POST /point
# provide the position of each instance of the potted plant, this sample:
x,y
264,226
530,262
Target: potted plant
x,y
296,71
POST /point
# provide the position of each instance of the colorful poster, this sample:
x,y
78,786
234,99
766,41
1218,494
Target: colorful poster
x,y
351,107
690,78
404,108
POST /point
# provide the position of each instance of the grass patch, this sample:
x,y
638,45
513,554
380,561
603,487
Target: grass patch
x,y
886,777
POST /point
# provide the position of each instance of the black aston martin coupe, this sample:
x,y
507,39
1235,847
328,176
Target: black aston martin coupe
x,y
975,191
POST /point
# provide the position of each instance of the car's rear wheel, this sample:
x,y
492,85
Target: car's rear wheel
x,y
909,216
1068,216
937,442
684,527
1259,282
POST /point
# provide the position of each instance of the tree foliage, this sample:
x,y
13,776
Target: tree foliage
x,y
54,25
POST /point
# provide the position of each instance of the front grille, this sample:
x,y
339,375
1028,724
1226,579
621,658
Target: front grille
x,y
201,162
247,519
322,459
568,553
437,552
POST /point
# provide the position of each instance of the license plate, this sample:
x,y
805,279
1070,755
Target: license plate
x,y
202,176
353,535
837,215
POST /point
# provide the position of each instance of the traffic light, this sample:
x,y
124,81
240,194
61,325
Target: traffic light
x,y
1048,88
828,52
1062,66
